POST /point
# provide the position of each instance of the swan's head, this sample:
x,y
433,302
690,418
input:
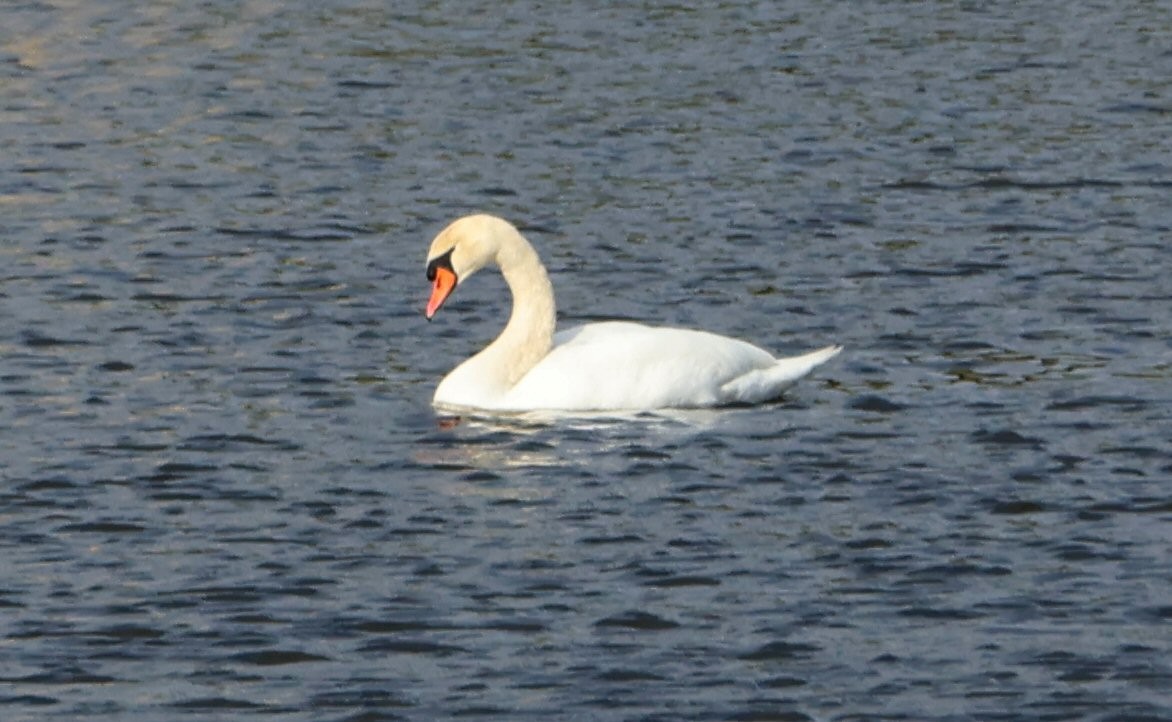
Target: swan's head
x,y
463,248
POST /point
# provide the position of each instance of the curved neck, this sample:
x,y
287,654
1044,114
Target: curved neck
x,y
528,336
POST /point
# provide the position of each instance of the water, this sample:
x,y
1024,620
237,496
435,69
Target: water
x,y
225,494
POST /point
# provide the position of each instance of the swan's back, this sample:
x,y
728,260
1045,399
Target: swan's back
x,y
620,365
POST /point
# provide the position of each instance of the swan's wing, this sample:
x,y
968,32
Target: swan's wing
x,y
619,365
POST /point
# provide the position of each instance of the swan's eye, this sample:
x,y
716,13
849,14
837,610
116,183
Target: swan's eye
x,y
443,261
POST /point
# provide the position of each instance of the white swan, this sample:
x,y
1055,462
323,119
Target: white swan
x,y
609,366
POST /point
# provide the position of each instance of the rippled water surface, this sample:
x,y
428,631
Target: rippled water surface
x,y
225,495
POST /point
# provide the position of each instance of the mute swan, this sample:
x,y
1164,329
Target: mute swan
x,y
609,366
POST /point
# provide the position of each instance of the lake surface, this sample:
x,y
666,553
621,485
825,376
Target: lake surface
x,y
225,494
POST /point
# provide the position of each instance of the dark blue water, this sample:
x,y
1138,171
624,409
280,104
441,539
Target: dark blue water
x,y
225,495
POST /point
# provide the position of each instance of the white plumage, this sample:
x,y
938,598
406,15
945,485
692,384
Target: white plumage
x,y
612,365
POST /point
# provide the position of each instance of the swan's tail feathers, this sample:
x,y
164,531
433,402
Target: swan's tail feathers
x,y
769,383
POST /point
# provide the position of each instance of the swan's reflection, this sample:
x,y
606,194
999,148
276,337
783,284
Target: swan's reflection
x,y
528,422
547,440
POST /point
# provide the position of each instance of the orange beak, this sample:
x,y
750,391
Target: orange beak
x,y
445,281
